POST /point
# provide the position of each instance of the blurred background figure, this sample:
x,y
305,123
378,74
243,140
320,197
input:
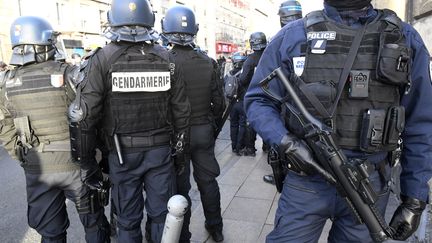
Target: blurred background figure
x,y
258,42
237,114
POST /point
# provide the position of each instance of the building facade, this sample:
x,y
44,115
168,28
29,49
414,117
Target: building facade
x,y
225,25
79,21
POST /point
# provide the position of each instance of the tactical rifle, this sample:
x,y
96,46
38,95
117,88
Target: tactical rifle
x,y
351,179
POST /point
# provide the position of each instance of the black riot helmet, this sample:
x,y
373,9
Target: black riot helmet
x,y
131,21
258,41
32,39
131,13
238,58
179,25
289,11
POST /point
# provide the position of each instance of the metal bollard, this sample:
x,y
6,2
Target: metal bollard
x,y
177,206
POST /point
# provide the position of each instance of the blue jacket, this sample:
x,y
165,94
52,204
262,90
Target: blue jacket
x,y
264,113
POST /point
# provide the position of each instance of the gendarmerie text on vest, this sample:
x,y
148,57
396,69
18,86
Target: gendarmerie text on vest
x,y
140,81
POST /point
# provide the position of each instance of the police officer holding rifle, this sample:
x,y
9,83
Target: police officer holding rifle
x,y
362,75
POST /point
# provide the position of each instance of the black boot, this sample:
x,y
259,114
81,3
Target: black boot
x,y
269,179
215,232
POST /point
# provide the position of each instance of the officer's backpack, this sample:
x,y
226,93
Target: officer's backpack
x,y
231,85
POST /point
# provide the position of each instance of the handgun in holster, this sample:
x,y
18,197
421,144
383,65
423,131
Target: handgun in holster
x,y
24,133
279,171
100,198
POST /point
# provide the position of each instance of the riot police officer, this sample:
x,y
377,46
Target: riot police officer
x,y
288,11
136,93
34,129
258,43
237,114
203,89
384,67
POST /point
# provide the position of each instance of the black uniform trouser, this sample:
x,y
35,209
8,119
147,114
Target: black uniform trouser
x,y
205,171
250,137
46,195
151,170
237,125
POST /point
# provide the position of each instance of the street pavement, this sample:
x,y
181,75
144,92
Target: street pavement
x,y
248,204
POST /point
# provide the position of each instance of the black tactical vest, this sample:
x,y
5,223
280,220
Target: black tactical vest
x,y
382,64
42,93
197,74
140,79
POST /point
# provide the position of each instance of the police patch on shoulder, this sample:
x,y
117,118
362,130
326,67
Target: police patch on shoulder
x,y
140,81
322,35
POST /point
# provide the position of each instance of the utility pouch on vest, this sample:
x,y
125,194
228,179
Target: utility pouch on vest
x,y
381,129
100,198
325,93
394,125
371,134
394,62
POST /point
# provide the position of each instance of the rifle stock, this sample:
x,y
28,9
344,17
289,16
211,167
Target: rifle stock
x,y
351,181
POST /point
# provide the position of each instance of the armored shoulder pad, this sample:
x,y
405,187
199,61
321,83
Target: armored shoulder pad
x,y
90,54
314,17
392,18
198,50
78,74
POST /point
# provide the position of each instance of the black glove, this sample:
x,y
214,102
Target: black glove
x,y
406,219
180,149
91,175
297,153
104,165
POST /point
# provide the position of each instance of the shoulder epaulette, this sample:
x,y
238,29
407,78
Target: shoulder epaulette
x,y
90,54
314,17
392,18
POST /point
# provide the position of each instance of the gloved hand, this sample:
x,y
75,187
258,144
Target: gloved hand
x,y
297,153
180,149
91,175
406,219
104,165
